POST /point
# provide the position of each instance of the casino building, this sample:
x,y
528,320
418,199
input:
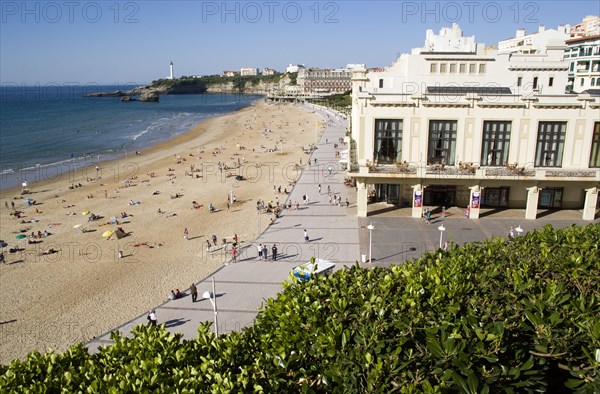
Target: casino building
x,y
457,124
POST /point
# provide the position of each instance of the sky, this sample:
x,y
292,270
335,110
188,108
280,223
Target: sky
x,y
133,42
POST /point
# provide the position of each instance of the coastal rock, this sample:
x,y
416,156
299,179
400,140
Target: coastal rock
x,y
149,97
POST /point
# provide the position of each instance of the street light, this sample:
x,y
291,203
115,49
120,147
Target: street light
x,y
212,296
370,227
442,229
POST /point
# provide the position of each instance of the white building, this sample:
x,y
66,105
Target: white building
x,y
268,71
248,71
583,56
171,75
456,124
535,42
294,68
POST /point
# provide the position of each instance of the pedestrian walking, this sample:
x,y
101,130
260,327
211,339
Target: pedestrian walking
x,y
207,245
427,215
214,239
274,252
305,235
260,248
265,252
304,198
186,234
152,319
347,203
194,292
319,189
234,254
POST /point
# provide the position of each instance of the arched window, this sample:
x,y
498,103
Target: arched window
x,y
593,82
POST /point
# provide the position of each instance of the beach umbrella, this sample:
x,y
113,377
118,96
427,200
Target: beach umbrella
x,y
77,225
21,236
85,212
107,233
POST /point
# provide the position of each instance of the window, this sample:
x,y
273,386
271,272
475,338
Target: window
x,y
388,140
442,142
581,81
572,66
595,153
472,68
535,82
550,81
442,67
452,67
496,142
433,68
482,68
593,82
462,68
381,83
519,81
550,144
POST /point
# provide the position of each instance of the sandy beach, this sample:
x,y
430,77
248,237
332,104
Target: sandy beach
x,y
70,284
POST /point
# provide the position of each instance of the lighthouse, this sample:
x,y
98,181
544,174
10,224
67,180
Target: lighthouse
x,y
171,71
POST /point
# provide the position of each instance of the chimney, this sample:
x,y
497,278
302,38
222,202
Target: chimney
x,y
520,33
541,28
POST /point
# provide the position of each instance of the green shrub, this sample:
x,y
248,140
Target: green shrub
x,y
487,317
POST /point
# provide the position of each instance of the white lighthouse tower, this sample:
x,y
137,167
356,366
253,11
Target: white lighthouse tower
x,y
171,71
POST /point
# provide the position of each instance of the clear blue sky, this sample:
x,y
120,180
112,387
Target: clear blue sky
x,y
134,41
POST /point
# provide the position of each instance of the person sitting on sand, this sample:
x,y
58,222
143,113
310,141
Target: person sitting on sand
x,y
196,205
159,211
48,251
156,193
211,208
178,294
172,296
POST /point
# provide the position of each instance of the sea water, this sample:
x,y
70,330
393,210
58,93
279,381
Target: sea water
x,y
46,130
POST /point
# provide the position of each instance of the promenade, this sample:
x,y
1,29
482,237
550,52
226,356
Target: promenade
x,y
336,234
242,287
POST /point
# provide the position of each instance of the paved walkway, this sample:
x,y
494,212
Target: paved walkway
x,y
241,288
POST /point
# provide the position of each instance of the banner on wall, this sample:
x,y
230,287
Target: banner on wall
x,y
418,200
475,200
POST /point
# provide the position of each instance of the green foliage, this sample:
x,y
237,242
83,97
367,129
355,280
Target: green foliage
x,y
489,317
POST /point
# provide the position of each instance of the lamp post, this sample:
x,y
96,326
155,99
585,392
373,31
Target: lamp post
x,y
442,229
370,227
212,296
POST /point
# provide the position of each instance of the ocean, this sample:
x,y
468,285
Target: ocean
x,y
45,130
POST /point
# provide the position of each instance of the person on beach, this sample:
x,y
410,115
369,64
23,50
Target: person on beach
x,y
185,234
234,254
214,239
152,319
207,245
194,292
